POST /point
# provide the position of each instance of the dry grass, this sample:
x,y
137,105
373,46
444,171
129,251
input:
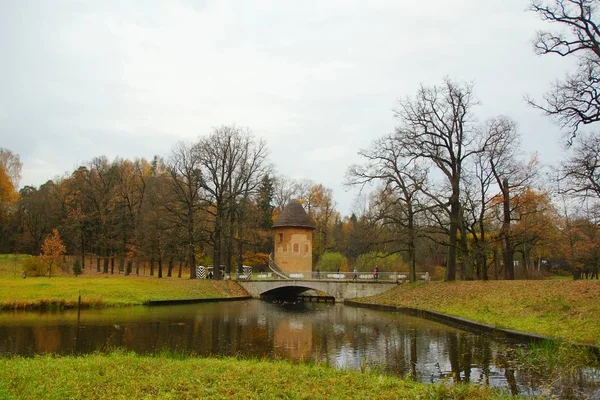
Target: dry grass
x,y
557,308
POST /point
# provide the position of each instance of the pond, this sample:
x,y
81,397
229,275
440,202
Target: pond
x,y
333,334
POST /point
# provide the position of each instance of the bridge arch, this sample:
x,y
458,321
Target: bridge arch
x,y
340,290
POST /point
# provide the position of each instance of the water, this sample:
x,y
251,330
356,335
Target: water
x,y
337,335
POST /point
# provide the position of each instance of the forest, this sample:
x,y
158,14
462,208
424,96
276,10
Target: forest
x,y
448,191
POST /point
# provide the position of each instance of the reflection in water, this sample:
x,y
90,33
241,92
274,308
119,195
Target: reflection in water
x,y
333,334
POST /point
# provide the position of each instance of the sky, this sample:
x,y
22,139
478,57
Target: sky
x,y
317,80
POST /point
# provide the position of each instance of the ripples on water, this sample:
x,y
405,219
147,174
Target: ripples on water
x,y
335,335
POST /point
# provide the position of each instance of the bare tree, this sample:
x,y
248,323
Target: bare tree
x,y
512,177
579,175
402,178
437,126
576,99
285,189
184,169
232,165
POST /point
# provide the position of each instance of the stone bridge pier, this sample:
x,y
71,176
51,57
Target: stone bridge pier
x,y
340,290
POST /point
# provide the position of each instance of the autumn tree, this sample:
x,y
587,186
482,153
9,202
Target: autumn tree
x,y
11,163
8,198
575,100
98,186
512,177
38,211
320,206
535,228
437,126
131,189
52,250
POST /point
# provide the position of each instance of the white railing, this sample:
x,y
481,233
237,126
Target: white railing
x,y
338,276
273,267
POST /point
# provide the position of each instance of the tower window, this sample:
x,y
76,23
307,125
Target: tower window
x,y
281,238
296,247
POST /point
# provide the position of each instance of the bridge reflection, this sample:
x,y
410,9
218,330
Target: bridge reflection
x,y
337,335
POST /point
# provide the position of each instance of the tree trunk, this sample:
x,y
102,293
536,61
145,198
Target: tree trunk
x,y
229,242
152,266
160,266
467,261
191,249
483,247
217,244
509,267
105,267
82,252
112,265
484,266
451,264
170,267
496,262
137,267
97,263
121,264
181,261
412,266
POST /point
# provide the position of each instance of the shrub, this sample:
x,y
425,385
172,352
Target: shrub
x,y
438,273
257,260
35,266
332,262
385,262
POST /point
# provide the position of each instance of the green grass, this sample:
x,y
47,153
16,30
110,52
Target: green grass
x,y
11,265
98,290
110,291
128,376
560,309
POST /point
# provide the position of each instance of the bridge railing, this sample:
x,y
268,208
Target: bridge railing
x,y
346,276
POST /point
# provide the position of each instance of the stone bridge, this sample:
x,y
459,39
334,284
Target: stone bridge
x,y
339,289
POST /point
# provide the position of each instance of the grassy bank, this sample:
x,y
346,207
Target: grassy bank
x,y
107,292
128,376
561,309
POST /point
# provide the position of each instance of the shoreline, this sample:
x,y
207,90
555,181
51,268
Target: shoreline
x,y
469,325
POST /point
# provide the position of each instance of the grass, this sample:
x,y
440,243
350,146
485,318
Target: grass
x,y
62,292
568,310
99,290
128,376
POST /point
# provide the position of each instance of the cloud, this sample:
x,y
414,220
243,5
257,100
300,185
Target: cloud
x,y
316,80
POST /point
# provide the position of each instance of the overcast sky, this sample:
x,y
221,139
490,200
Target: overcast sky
x,y
316,79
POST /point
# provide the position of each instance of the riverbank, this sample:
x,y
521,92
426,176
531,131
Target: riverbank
x,y
110,291
129,376
567,310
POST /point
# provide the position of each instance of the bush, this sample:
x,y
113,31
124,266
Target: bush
x,y
385,262
77,267
438,273
332,262
257,260
34,266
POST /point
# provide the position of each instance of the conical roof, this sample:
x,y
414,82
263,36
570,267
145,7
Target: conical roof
x,y
294,216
